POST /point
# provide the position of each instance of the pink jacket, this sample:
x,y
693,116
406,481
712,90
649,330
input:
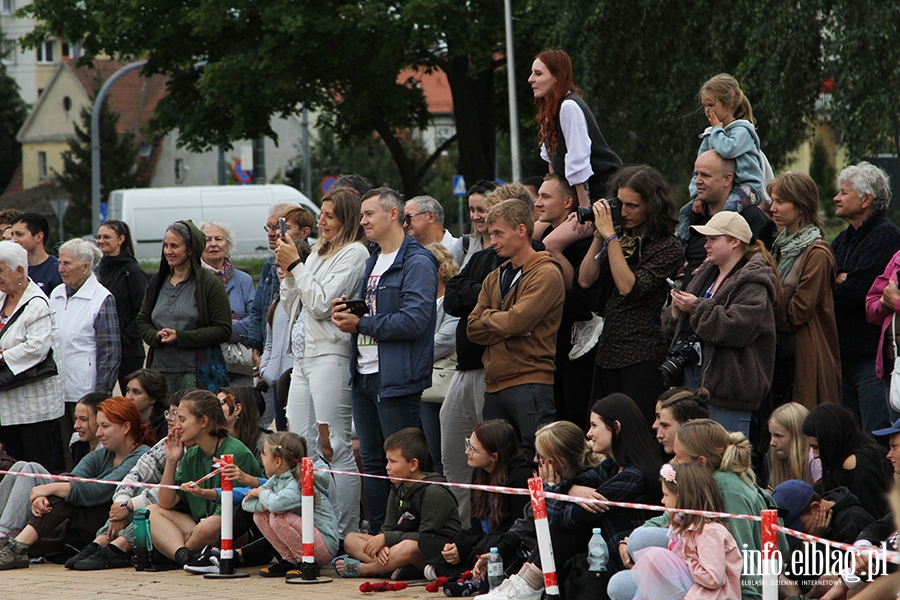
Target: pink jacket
x,y
715,563
876,313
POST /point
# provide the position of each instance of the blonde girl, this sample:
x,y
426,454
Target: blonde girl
x,y
732,134
790,456
703,559
276,505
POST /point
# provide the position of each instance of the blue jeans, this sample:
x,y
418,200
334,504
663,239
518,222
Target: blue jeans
x,y
376,418
863,393
732,420
622,585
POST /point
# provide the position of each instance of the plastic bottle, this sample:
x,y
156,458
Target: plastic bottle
x,y
143,546
598,553
495,569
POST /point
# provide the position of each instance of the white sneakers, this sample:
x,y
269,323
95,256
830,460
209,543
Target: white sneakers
x,y
585,335
514,588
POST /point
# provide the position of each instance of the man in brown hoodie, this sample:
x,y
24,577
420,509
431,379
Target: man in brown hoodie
x,y
517,318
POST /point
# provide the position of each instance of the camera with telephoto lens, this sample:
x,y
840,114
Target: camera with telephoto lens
x,y
680,355
586,215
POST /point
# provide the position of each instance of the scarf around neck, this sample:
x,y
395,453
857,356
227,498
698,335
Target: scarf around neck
x,y
225,273
788,247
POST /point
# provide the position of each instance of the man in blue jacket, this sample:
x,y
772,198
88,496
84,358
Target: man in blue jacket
x,y
392,346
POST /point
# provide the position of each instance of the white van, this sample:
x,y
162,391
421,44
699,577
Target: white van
x,y
148,211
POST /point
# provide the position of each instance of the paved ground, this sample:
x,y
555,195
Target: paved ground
x,y
53,581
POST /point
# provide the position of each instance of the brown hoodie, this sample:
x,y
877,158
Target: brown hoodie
x,y
533,306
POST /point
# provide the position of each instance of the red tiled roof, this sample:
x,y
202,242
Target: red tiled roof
x,y
133,97
15,182
435,86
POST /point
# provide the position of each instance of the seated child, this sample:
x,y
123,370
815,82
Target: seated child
x,y
277,504
412,508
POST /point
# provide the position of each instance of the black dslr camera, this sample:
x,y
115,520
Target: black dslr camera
x,y
680,355
586,215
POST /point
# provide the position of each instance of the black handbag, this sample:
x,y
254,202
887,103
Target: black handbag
x,y
44,369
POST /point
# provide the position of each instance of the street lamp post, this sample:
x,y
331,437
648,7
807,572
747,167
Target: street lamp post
x,y
95,141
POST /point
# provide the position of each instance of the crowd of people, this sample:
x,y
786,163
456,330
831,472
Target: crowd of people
x,y
724,358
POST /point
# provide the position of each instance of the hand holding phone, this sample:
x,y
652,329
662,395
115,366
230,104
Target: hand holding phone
x,y
360,308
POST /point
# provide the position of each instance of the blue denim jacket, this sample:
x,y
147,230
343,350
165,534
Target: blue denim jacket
x,y
404,325
265,292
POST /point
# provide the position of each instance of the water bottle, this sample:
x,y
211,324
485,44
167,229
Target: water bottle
x,y
495,569
598,553
142,543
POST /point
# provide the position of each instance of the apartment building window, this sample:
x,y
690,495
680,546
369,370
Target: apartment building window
x,y
72,50
442,133
42,165
6,7
8,52
46,52
179,170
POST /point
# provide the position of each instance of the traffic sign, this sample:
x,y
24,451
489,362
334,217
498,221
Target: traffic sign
x,y
459,186
326,183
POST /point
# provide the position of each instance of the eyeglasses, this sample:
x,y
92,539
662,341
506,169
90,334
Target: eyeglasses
x,y
408,217
470,449
171,414
99,237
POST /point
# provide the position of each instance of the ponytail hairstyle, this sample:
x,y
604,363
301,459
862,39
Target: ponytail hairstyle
x,y
246,426
723,451
790,417
725,88
498,437
559,65
685,403
120,410
565,444
203,403
696,489
121,228
289,447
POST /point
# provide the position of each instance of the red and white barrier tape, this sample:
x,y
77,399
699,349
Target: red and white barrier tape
x,y
887,555
134,484
553,495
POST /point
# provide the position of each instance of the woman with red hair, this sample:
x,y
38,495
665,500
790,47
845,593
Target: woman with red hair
x,y
84,505
571,141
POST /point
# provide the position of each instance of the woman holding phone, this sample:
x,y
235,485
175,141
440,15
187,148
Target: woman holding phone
x,y
319,392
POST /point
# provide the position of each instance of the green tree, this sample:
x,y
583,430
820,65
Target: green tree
x,y
13,112
118,167
824,173
864,52
641,64
232,65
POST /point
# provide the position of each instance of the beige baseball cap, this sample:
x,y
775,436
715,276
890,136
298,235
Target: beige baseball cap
x,y
726,222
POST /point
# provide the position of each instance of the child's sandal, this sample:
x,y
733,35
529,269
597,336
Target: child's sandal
x,y
350,566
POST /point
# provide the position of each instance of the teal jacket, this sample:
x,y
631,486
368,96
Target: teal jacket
x,y
99,465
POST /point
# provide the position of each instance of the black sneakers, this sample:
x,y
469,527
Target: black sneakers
x,y
107,557
89,550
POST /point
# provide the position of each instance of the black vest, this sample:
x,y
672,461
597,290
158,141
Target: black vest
x,y
604,162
